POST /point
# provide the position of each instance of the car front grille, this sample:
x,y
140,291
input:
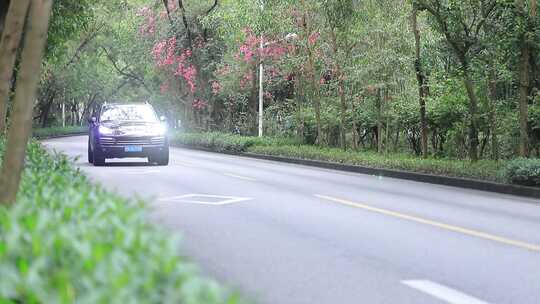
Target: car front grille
x,y
132,141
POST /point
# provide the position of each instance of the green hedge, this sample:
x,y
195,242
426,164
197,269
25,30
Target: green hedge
x,y
66,240
523,171
56,131
484,169
225,142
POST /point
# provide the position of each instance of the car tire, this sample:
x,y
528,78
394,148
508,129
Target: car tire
x,y
90,153
163,159
160,158
98,158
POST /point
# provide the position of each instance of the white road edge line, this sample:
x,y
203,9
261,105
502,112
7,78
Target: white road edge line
x,y
240,177
441,292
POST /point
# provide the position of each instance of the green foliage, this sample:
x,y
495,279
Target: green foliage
x,y
224,142
103,50
523,171
484,170
56,131
68,20
287,147
68,241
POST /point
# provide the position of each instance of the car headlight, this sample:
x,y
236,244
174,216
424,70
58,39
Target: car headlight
x,y
105,131
158,130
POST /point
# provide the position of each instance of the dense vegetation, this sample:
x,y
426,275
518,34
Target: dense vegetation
x,y
58,131
68,241
452,79
520,171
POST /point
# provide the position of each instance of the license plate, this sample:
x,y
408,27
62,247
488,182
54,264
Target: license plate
x,y
133,149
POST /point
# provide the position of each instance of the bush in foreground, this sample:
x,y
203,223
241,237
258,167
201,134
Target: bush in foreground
x,y
66,240
523,171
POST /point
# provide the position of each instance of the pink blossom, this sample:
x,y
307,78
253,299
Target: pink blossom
x,y
216,87
157,50
173,5
245,80
199,104
312,39
164,87
149,24
224,70
188,72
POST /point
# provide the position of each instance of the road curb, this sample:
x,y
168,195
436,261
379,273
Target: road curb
x,y
465,183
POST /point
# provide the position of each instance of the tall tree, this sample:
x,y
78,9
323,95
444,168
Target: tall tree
x,y
11,37
526,30
4,5
341,19
421,77
25,92
462,25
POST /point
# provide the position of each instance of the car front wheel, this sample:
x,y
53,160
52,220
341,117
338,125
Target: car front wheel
x,y
98,158
161,158
90,153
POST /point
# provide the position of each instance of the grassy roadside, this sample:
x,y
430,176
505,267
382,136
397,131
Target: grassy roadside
x,y
67,240
57,131
519,171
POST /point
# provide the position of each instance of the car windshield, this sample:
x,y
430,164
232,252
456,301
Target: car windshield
x,y
129,113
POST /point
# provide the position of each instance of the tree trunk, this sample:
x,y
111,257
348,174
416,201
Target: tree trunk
x,y
254,102
422,84
311,74
524,83
315,99
25,93
47,109
354,127
86,109
341,90
473,111
343,110
4,5
379,121
493,115
11,37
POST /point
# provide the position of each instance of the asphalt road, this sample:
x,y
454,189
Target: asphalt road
x,y
284,233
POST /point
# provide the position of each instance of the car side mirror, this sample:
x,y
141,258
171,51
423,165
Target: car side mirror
x,y
163,118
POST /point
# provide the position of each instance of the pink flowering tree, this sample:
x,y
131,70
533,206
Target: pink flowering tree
x,y
179,50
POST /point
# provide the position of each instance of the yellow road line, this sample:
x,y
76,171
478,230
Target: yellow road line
x,y
470,232
240,177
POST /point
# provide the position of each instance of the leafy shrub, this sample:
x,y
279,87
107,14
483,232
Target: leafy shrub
x,y
484,169
225,142
66,240
523,171
288,147
55,131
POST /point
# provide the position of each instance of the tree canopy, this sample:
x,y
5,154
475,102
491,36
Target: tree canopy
x,y
460,81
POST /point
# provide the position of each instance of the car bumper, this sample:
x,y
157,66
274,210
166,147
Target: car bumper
x,y
117,147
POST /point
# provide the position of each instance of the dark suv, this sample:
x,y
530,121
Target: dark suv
x,y
127,130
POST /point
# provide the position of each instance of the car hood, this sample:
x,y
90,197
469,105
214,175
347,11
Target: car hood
x,y
130,128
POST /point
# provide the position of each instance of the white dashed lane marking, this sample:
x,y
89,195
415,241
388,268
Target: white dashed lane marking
x,y
240,177
442,292
204,199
